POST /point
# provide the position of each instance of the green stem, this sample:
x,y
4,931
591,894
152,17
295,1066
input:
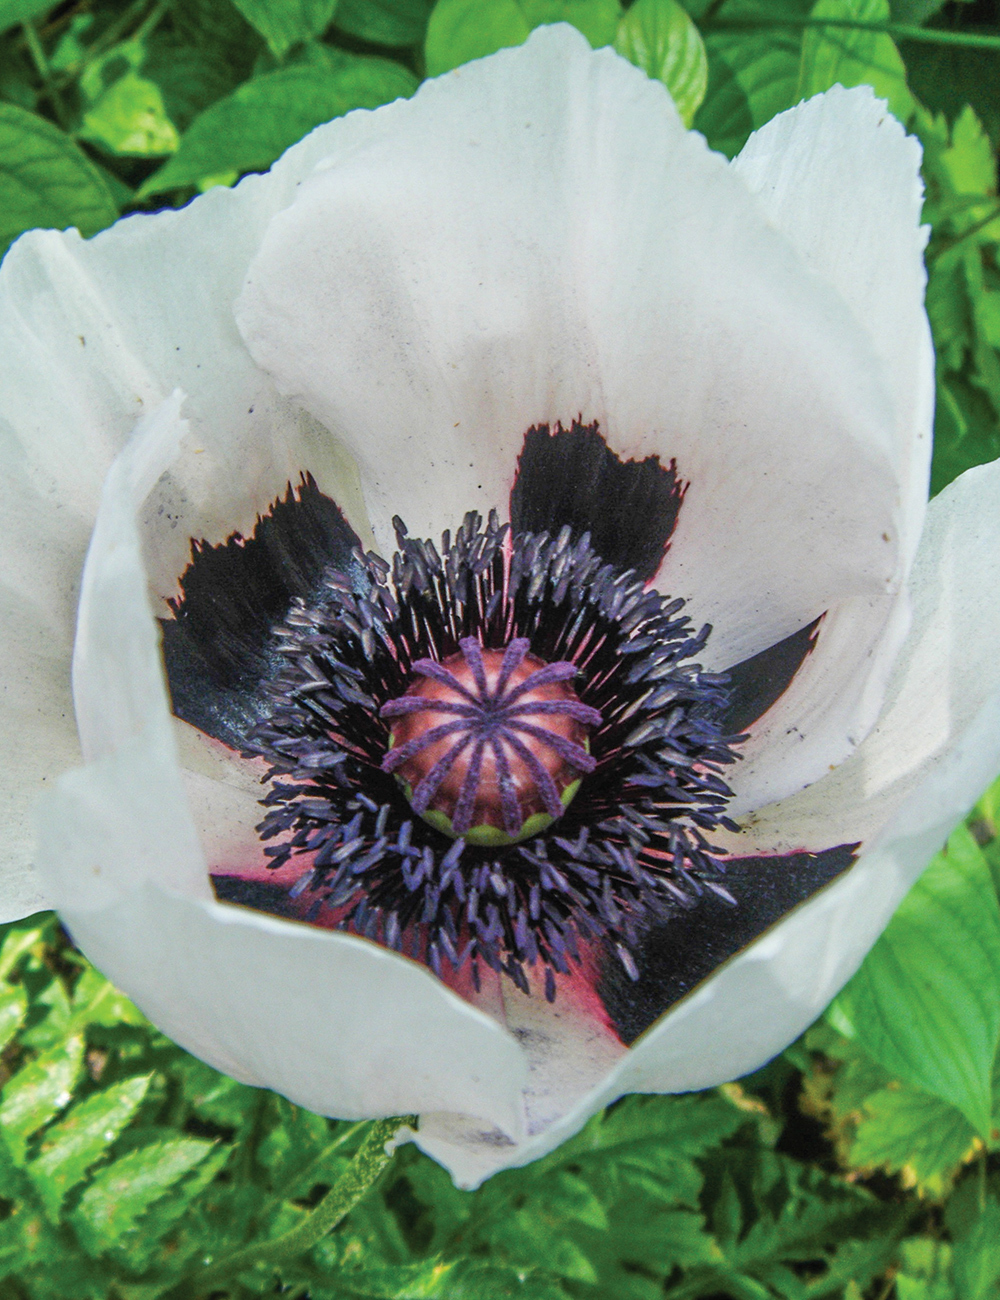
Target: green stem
x,y
41,62
368,1163
948,245
900,31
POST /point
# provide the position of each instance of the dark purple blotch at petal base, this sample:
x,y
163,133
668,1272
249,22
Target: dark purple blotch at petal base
x,y
571,477
757,683
676,956
218,648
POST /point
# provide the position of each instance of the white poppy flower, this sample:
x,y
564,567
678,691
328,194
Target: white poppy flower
x,y
526,290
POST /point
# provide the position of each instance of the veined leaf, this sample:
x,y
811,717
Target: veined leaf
x,y
35,1094
926,1002
46,180
81,1138
283,23
766,68
659,37
122,1192
905,1131
254,125
853,57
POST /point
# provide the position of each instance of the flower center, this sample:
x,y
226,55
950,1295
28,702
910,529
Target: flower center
x,y
490,745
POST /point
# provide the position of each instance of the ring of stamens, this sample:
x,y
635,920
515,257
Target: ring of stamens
x,y
630,850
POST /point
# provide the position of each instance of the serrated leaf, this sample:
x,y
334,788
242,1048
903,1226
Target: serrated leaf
x,y
926,1001
283,23
852,57
124,1191
252,127
130,119
659,37
903,1130
384,22
38,1092
13,12
79,1140
46,180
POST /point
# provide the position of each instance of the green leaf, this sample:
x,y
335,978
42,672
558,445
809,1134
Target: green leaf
x,y
852,57
283,23
384,22
925,1271
124,1191
20,939
765,66
252,127
13,12
597,19
926,1002
724,116
81,1138
975,1230
129,118
46,180
13,1007
96,1001
659,37
905,1131
461,30
38,1092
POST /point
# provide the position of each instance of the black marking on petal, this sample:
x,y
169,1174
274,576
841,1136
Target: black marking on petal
x,y
218,647
759,682
571,477
678,954
261,895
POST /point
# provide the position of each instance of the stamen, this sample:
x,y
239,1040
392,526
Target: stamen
x,y
498,756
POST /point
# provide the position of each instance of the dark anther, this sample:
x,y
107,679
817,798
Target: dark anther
x,y
500,754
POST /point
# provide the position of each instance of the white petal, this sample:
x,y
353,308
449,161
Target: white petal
x,y
535,237
839,178
935,748
334,1022
91,334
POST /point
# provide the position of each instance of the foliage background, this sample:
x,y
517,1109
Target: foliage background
x,y
865,1161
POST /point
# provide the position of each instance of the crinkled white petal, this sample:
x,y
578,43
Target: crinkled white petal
x,y
535,237
92,334
934,749
839,177
332,1021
